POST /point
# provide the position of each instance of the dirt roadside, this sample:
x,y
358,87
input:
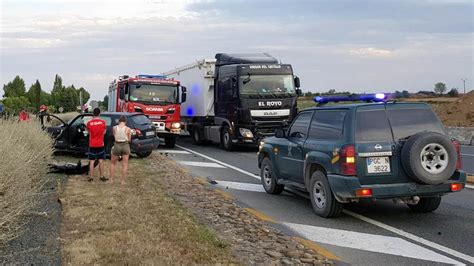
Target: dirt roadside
x,y
163,215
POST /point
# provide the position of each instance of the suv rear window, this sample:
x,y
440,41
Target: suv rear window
x,y
406,122
372,125
140,120
327,125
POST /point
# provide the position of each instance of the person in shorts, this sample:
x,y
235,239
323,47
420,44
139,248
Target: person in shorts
x,y
96,128
121,148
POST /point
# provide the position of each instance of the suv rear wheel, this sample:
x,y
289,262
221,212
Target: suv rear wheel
x,y
323,201
426,204
268,178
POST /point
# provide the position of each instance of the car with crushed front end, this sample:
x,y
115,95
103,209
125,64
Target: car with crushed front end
x,y
373,148
73,137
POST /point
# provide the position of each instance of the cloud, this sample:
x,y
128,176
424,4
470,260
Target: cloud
x,y
371,52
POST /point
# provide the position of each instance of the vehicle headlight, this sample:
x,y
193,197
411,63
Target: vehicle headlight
x,y
176,125
246,133
260,147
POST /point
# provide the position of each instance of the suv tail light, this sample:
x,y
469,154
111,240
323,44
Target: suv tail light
x,y
457,146
347,160
136,132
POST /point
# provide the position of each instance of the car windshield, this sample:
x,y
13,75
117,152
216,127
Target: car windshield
x,y
267,85
150,93
140,120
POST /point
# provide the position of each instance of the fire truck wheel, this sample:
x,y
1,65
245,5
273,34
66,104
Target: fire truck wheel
x,y
170,142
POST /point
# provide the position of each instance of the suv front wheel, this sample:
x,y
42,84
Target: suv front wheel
x,y
426,204
268,178
323,201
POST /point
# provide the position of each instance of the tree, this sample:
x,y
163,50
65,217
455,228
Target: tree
x,y
57,91
405,94
34,95
14,104
14,88
453,92
105,103
85,94
440,88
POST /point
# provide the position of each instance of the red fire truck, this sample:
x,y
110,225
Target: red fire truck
x,y
156,96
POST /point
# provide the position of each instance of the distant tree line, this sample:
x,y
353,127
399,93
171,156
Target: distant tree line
x,y
16,97
439,90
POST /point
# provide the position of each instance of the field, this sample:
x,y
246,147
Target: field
x,y
452,111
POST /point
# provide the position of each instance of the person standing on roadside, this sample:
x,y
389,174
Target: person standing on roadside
x,y
123,137
96,128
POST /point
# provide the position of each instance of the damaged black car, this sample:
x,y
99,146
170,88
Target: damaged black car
x,y
72,136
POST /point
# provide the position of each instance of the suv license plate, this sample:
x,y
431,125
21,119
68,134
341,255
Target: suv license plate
x,y
378,165
150,133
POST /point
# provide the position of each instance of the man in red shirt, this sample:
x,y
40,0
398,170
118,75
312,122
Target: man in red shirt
x,y
96,128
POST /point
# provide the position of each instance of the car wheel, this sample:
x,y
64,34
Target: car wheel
x,y
426,204
323,201
429,158
268,178
196,135
170,142
226,138
144,154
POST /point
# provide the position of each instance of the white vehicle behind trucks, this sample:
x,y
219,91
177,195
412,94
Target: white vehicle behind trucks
x,y
237,99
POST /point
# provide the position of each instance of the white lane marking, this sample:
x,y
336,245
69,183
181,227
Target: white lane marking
x,y
465,154
173,151
413,237
369,242
200,164
363,218
240,186
219,162
470,186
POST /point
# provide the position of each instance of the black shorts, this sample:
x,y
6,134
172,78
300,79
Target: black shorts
x,y
96,153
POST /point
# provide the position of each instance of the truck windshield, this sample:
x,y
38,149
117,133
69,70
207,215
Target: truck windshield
x,y
149,93
267,85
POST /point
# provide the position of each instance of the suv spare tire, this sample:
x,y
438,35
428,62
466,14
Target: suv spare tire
x,y
429,158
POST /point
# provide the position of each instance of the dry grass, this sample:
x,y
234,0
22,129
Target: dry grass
x,y
24,153
133,224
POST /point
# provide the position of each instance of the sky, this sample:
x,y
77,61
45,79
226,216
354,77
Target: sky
x,y
347,45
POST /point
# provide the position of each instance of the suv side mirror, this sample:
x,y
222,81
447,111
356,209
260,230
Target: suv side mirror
x,y
297,82
280,133
183,94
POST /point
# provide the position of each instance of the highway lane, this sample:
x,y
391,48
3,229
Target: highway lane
x,y
446,235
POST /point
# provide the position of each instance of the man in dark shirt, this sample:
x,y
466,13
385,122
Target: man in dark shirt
x,y
96,128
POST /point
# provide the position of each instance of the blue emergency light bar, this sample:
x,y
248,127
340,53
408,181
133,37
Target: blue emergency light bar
x,y
145,76
375,97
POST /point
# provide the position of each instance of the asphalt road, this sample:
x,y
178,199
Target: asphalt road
x,y
368,233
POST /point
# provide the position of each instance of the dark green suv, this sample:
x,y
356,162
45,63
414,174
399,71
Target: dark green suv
x,y
342,153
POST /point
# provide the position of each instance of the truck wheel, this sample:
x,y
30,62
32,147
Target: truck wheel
x,y
429,158
170,142
196,135
144,154
226,138
426,204
268,178
323,201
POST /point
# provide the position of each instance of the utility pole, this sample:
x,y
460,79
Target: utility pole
x,y
464,82
80,101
